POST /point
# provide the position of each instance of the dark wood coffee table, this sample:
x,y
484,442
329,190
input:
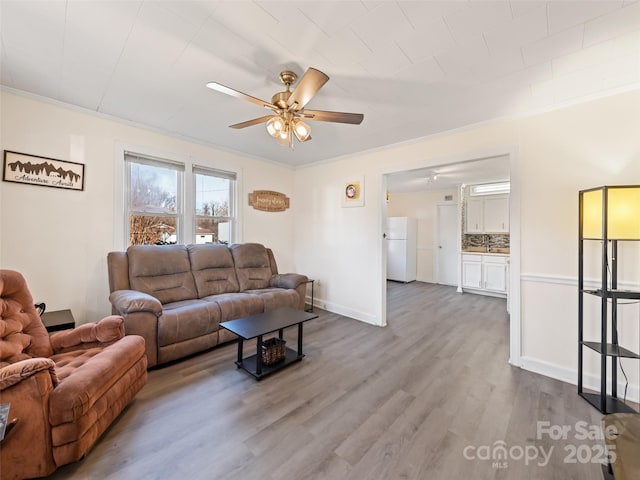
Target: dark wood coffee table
x,y
255,326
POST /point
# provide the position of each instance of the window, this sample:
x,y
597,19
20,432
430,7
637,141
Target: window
x,y
155,206
490,188
214,205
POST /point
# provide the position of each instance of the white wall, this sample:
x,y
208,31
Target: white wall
x,y
343,241
422,207
554,154
59,239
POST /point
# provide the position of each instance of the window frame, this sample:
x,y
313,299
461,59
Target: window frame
x,y
492,188
214,172
187,193
136,158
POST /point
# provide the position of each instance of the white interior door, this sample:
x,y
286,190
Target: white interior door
x,y
447,248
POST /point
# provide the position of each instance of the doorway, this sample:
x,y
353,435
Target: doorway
x,y
463,171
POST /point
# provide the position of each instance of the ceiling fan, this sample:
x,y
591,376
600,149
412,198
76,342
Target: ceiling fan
x,y
288,107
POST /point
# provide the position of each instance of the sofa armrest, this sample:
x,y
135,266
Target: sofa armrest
x,y
15,373
288,280
132,301
106,331
141,312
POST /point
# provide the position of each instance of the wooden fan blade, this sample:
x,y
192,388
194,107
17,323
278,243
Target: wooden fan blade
x,y
250,123
338,117
235,93
309,84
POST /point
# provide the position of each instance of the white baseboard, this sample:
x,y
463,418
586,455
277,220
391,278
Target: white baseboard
x,y
487,293
345,311
567,375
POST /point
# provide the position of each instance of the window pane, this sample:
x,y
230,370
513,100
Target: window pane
x,y
212,196
152,230
214,206
490,188
153,189
212,230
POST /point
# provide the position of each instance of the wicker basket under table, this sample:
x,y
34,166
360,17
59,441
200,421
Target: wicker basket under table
x,y
273,350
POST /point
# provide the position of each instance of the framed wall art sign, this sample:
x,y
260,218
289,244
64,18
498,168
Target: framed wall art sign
x,y
268,201
353,193
42,171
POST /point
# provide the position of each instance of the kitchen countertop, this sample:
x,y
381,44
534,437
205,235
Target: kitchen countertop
x,y
464,252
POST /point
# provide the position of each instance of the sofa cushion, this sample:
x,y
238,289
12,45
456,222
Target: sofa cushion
x,y
237,305
274,298
12,341
22,333
252,265
85,376
118,266
187,319
213,269
163,271
71,440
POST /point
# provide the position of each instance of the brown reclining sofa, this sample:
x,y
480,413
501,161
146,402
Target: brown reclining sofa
x,y
176,295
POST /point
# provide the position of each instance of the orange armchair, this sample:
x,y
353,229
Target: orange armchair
x,y
64,389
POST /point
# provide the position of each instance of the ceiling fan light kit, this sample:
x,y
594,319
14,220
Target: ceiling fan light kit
x,y
282,127
302,130
275,125
289,107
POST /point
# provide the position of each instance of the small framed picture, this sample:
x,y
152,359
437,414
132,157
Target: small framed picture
x,y
42,171
353,193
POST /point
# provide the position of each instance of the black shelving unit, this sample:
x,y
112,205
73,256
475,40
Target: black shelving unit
x,y
607,347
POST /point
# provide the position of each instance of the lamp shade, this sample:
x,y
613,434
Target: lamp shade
x,y
275,125
622,204
301,130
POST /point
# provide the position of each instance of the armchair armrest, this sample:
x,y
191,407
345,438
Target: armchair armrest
x,y
288,280
107,330
132,301
15,373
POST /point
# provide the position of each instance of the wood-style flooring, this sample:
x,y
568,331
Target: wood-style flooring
x,y
430,396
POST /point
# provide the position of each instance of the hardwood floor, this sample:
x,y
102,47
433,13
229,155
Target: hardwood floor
x,y
413,400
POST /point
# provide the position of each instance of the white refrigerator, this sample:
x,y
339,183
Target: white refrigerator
x,y
400,239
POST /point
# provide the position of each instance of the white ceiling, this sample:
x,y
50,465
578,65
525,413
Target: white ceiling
x,y
447,177
413,68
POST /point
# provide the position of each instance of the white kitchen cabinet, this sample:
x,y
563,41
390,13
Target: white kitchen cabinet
x,y
472,271
485,273
496,214
474,215
487,214
494,273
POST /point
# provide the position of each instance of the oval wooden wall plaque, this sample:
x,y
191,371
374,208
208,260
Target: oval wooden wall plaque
x,y
268,201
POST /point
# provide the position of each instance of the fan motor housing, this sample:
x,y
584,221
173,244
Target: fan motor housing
x,y
280,99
